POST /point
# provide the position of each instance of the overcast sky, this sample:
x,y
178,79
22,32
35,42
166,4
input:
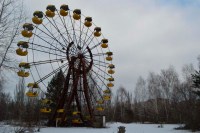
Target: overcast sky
x,y
145,35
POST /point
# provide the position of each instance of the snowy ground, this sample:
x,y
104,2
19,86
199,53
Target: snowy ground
x,y
111,128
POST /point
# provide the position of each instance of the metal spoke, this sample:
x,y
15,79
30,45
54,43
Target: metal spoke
x,y
52,36
51,73
56,49
74,37
101,70
64,24
46,61
45,52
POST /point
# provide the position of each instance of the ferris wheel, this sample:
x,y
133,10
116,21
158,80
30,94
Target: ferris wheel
x,y
64,39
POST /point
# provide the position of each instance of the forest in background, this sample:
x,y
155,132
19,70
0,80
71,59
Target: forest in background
x,y
160,98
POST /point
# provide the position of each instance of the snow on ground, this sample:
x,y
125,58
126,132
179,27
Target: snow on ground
x,y
111,128
5,128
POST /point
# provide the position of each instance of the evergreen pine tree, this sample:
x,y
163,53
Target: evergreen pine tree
x,y
55,87
196,82
194,124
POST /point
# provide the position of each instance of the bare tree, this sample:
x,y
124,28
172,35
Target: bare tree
x,y
198,58
4,102
11,18
122,108
20,99
169,81
1,84
154,95
140,90
190,102
140,96
186,88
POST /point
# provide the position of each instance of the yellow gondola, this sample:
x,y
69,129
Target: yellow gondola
x,y
60,110
22,73
97,31
50,12
106,98
77,14
88,21
107,91
109,58
77,121
64,10
37,20
111,71
111,79
20,52
76,112
110,84
32,94
104,43
37,17
99,108
27,32
45,110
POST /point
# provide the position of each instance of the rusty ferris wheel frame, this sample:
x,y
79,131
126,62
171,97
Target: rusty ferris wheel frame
x,y
67,43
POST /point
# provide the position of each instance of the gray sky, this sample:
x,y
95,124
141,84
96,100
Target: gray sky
x,y
145,35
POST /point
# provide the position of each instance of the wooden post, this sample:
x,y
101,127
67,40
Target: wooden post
x,y
104,121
